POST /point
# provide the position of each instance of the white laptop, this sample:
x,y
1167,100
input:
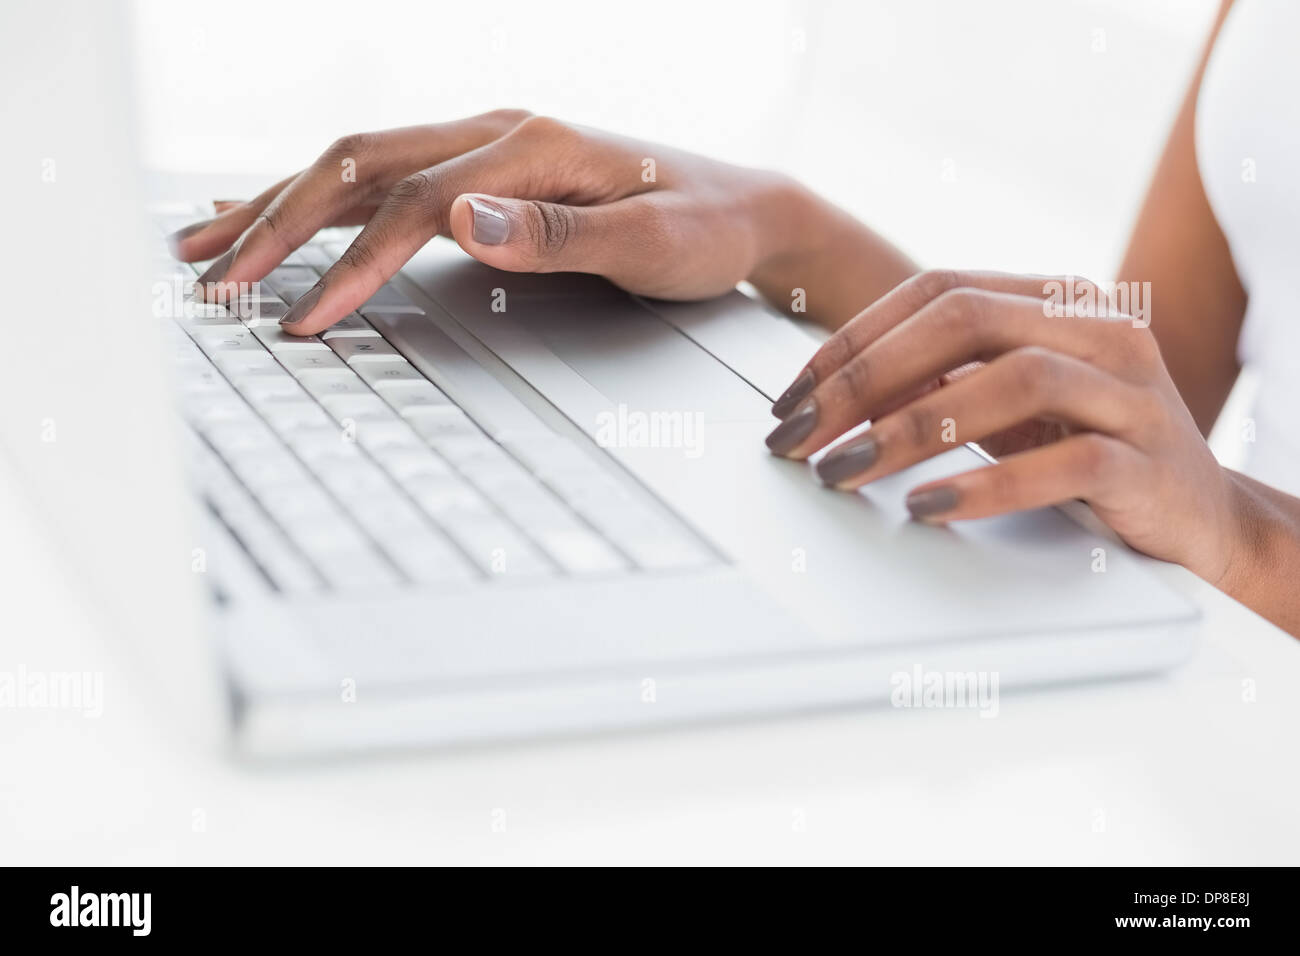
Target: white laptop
x,y
442,522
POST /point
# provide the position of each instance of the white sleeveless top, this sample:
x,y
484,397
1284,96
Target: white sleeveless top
x,y
1248,153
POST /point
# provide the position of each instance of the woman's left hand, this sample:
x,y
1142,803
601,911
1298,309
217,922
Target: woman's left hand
x,y
1104,420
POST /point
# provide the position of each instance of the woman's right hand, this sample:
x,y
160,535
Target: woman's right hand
x,y
519,192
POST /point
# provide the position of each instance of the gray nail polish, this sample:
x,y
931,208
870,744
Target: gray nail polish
x,y
218,269
303,306
847,461
935,501
793,395
491,227
791,432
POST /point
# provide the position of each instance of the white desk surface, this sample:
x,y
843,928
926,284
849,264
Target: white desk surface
x,y
1178,769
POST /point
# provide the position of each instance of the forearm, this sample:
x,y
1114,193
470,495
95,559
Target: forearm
x,y
1265,566
827,266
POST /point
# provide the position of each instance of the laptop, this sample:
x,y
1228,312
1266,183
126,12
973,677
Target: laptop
x,y
487,505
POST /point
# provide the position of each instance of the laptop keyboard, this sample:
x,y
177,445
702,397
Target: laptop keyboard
x,y
338,466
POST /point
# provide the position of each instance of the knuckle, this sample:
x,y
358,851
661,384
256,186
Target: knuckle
x,y
852,379
1096,460
1001,486
509,118
359,256
835,353
552,226
542,127
1035,370
419,190
935,282
271,219
349,147
1134,348
917,426
960,310
1148,408
273,224
1085,287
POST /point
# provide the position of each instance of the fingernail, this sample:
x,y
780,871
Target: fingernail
x,y
933,501
793,395
217,271
847,461
791,432
180,235
490,224
302,308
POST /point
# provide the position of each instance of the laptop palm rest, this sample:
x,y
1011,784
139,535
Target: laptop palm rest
x,y
853,565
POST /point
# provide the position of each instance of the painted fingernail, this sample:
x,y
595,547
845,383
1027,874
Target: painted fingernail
x,y
207,282
180,235
847,461
932,501
302,308
491,227
791,432
793,395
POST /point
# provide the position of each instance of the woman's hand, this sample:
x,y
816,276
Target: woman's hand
x,y
1090,392
518,192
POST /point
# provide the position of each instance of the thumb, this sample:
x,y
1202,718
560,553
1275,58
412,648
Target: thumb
x,y
526,235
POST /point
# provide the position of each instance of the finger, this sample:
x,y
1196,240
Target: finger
x,y
897,305
1025,384
211,237
952,330
1088,466
626,241
355,216
528,162
347,174
355,171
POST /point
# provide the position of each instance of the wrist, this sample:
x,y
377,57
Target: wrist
x,y
1245,540
792,229
807,245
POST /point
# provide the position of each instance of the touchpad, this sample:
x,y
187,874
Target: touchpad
x,y
586,345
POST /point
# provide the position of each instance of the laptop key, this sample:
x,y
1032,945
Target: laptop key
x,y
351,325
409,464
310,361
580,551
428,559
390,300
357,409
291,292
287,416
398,374
435,422
444,495
408,397
353,480
263,314
262,388
214,341
333,382
377,437
365,349
277,340
498,549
